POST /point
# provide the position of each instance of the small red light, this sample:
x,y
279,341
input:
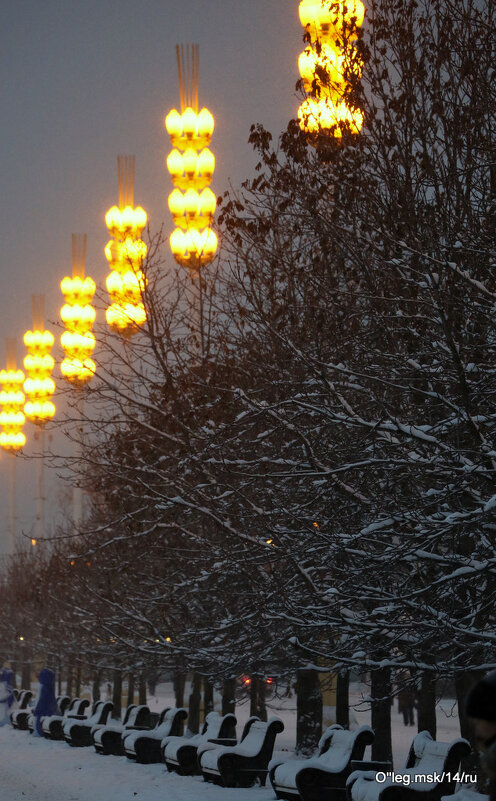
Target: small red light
x,y
247,681
270,680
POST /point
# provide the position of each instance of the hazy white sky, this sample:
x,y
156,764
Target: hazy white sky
x,y
85,80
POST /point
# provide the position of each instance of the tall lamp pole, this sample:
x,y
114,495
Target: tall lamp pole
x,y
39,388
12,419
191,164
78,342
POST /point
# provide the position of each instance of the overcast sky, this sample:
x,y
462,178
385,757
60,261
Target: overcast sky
x,y
85,80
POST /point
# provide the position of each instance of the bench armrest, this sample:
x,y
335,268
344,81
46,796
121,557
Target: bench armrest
x,y
223,741
137,728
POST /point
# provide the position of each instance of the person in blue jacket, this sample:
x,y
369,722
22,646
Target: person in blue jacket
x,y
46,703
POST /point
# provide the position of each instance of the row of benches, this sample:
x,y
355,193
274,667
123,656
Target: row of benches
x,y
216,754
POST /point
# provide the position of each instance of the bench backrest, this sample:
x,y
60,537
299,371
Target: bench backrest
x,y
138,716
79,706
127,713
429,756
214,724
63,702
101,712
246,728
261,736
24,699
172,723
343,746
227,726
326,738
161,717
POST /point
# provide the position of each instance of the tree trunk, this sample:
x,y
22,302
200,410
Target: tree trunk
x,y
96,687
342,699
261,698
142,689
179,683
14,680
26,673
253,696
130,688
152,683
427,703
464,681
194,705
308,711
117,695
69,682
381,714
78,682
229,696
208,697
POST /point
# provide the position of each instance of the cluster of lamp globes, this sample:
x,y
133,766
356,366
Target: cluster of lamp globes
x,y
322,65
125,253
192,204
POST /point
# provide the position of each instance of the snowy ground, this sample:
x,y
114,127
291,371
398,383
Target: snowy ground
x,y
33,769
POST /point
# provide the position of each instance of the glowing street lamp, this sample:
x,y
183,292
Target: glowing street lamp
x,y
322,65
78,340
12,399
125,254
12,419
39,363
39,388
78,316
191,165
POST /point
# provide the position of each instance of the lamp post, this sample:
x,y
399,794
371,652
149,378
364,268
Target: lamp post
x,y
191,164
12,419
78,340
39,388
125,254
323,63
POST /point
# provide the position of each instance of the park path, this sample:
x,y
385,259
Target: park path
x,y
34,769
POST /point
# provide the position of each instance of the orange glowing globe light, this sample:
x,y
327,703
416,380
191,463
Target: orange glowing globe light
x,y
321,18
78,316
125,254
39,386
12,418
322,66
191,165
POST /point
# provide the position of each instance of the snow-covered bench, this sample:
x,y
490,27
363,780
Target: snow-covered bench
x,y
429,773
325,773
108,739
19,717
240,765
62,701
77,732
52,725
145,746
180,753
